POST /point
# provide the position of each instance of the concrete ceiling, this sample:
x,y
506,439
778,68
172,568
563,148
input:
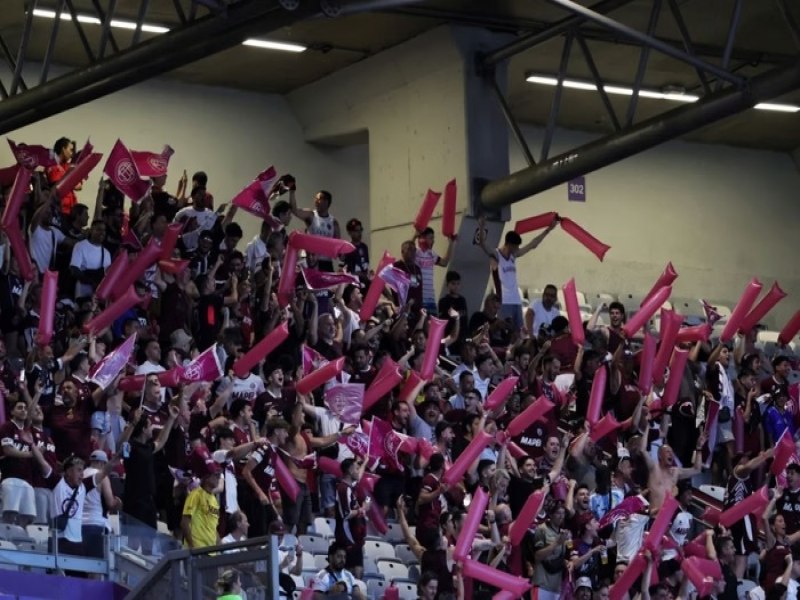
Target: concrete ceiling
x,y
763,40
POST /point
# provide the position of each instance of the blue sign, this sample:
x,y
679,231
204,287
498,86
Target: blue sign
x,y
576,189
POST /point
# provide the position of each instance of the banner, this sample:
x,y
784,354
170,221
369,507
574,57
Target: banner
x,y
206,367
320,280
32,157
254,198
104,372
384,444
150,164
123,173
345,400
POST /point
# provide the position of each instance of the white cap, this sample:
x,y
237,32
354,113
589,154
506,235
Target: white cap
x,y
583,582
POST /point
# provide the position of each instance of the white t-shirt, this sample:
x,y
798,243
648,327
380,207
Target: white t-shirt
x,y
426,260
62,494
43,245
248,388
254,254
330,424
325,580
86,257
629,536
93,504
506,279
542,316
482,385
196,221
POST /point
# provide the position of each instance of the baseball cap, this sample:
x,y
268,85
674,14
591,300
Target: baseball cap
x,y
181,340
583,582
202,463
99,456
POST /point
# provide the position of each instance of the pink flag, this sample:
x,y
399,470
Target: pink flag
x,y
32,157
345,401
150,164
384,444
122,171
104,372
357,442
87,149
206,367
398,280
254,198
129,238
320,280
312,360
8,175
712,315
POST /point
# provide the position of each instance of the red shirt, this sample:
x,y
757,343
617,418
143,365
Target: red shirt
x,y
71,429
12,467
56,174
428,514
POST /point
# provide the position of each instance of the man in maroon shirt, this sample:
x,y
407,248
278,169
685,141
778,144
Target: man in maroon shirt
x,y
70,423
255,497
431,502
19,504
351,510
43,480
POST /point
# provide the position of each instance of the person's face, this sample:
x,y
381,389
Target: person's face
x,y
454,287
321,203
780,526
792,478
557,518
467,384
227,443
230,243
20,411
276,378
433,393
426,241
98,233
619,570
419,341
37,416
583,593
513,249
447,437
153,352
431,415
553,369
728,551
327,329
783,368
409,253
281,435
552,448
69,393
780,402
428,591
625,469
724,356
472,402
153,389
361,360
244,524
582,499
74,474
355,233
666,456
661,594
615,316
337,560
401,414
602,593
486,368
204,245
247,414
749,382
549,296
488,473
529,468
524,361
352,472
81,218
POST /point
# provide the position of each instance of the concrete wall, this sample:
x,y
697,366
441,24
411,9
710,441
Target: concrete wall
x,y
232,135
720,214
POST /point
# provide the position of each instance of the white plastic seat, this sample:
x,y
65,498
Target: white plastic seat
x,y
395,533
324,526
392,570
379,550
376,588
6,545
715,491
308,560
370,568
404,553
743,587
320,561
407,591
13,532
314,543
39,533
308,576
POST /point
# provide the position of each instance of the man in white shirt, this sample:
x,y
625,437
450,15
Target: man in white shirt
x,y
256,250
543,311
152,363
426,258
336,579
90,260
197,218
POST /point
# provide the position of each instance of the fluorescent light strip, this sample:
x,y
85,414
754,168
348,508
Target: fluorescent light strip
x,y
158,29
644,93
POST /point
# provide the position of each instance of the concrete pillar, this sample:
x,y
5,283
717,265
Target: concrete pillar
x,y
429,117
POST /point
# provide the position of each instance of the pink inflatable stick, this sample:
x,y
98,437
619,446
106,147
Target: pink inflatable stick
x,y
115,310
469,529
412,387
501,393
760,310
676,368
536,411
535,223
435,334
318,244
169,240
494,577
754,504
173,266
146,258
375,289
742,309
696,333
574,313
625,583
385,381
261,350
667,277
330,466
449,212
784,450
20,251
79,172
790,329
107,286
670,325
315,379
646,364
659,527
526,516
285,479
473,450
646,312
594,245
597,395
16,197
425,211
604,427
288,277
47,307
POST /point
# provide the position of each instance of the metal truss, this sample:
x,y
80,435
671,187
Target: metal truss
x,y
725,93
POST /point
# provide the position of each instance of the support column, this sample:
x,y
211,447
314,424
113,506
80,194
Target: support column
x,y
429,118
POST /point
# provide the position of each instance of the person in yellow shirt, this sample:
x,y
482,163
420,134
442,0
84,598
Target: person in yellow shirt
x,y
201,510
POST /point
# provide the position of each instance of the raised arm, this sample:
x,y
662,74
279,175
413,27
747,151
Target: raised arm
x,y
534,243
417,548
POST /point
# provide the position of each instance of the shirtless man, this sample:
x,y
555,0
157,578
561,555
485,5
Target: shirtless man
x,y
296,454
664,475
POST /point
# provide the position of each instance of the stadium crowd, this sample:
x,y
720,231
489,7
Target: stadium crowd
x,y
248,454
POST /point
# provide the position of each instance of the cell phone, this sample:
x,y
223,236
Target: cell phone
x,y
22,376
126,450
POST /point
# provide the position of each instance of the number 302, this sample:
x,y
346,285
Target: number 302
x,y
576,188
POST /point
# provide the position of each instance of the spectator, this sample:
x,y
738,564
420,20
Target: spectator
x,y
318,221
542,312
335,579
357,261
90,260
426,258
200,521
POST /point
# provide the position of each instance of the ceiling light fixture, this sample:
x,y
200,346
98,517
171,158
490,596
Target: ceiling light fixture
x,y
158,29
674,96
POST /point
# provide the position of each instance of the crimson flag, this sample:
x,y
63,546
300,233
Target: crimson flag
x,y
104,372
206,367
33,156
345,400
122,171
150,164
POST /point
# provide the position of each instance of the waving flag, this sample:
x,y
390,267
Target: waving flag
x,y
8,175
384,444
32,157
150,164
104,372
712,315
320,280
357,442
345,400
121,169
206,367
255,197
398,280
312,360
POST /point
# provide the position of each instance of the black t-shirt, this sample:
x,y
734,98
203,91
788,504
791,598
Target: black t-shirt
x,y
165,204
458,303
789,507
519,490
140,479
357,262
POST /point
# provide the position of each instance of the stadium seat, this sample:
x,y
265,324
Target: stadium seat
x,y
14,533
361,586
404,553
744,586
6,545
379,550
324,526
392,570
370,568
413,572
715,491
289,541
309,575
308,559
320,561
39,533
395,534
406,591
314,544
376,588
